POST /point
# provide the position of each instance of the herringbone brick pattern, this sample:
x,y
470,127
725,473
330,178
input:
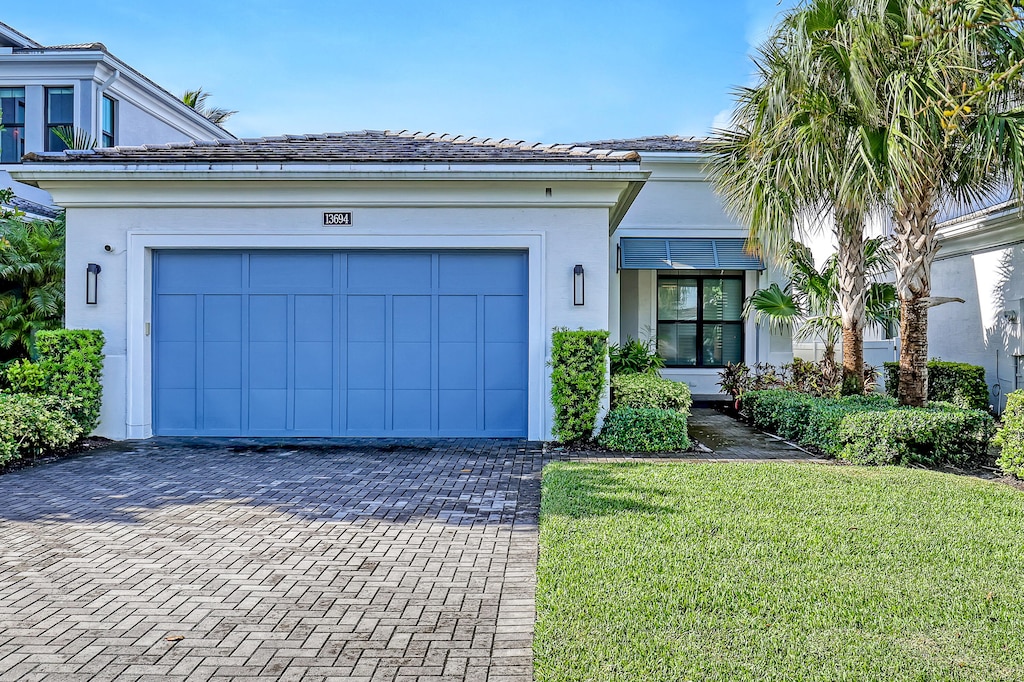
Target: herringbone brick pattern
x,y
313,560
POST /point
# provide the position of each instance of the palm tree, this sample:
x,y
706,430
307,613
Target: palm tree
x,y
810,303
196,99
942,89
794,155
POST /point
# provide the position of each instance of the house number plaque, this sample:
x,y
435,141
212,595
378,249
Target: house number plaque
x,y
337,218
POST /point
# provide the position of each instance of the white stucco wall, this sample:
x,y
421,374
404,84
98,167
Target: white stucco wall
x,y
136,126
141,217
986,330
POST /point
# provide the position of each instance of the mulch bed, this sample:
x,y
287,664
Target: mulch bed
x,y
81,447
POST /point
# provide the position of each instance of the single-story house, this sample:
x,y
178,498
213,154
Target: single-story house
x,y
388,283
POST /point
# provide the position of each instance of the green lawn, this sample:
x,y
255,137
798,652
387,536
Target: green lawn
x,y
753,571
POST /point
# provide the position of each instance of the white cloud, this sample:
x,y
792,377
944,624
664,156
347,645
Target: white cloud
x,y
722,120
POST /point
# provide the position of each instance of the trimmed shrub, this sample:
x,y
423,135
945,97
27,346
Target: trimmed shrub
x,y
628,429
578,368
70,365
34,424
1011,437
873,429
953,382
648,391
780,411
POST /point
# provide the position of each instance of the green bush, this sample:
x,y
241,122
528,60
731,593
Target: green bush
x,y
648,391
628,429
953,382
70,366
873,429
635,357
34,424
578,368
1011,436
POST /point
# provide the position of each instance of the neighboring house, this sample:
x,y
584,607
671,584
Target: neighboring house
x,y
44,88
981,260
388,284
683,272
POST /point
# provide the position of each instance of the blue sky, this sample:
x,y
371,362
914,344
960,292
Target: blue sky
x,y
550,71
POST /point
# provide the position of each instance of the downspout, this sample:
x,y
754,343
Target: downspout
x,y
97,129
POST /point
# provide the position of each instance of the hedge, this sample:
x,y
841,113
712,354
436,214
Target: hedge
x,y
873,429
34,424
953,382
629,429
1011,436
578,369
70,366
649,391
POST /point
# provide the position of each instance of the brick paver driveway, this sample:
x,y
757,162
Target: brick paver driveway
x,y
196,560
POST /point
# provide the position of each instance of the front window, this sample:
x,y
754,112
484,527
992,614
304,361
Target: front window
x,y
109,114
12,117
60,115
700,320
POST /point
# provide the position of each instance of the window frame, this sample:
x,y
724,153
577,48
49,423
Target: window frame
x,y
108,138
14,125
700,322
50,125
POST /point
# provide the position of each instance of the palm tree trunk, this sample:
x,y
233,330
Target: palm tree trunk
x,y
852,298
916,248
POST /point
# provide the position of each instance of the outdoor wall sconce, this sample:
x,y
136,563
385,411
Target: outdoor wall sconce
x,y
577,285
92,283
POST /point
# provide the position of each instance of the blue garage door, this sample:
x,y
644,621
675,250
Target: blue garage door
x,y
301,343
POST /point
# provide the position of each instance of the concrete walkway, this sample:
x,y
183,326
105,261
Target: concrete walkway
x,y
176,559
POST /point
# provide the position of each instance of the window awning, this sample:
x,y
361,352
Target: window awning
x,y
687,253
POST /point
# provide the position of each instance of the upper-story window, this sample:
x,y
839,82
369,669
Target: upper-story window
x,y
109,121
60,114
12,116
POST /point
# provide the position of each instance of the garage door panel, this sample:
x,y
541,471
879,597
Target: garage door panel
x,y
366,365
177,315
222,364
457,367
268,318
176,368
474,273
504,318
268,409
366,411
366,319
411,411
222,410
411,365
410,319
182,272
389,272
314,318
176,410
504,410
314,365
313,410
268,365
222,317
457,319
340,343
457,411
505,365
301,271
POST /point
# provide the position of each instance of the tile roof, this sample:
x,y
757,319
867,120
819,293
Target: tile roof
x,y
652,143
33,209
365,146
